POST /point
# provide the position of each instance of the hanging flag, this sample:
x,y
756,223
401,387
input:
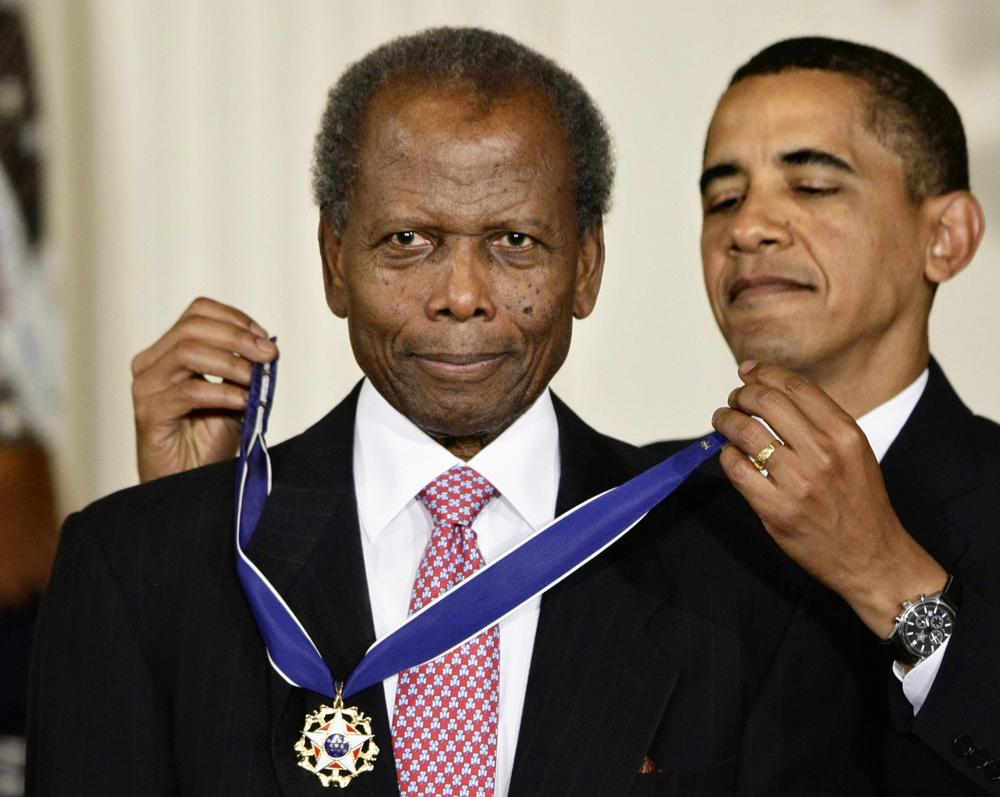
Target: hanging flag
x,y
28,528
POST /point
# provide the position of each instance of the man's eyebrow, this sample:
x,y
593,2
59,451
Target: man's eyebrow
x,y
515,222
717,172
815,157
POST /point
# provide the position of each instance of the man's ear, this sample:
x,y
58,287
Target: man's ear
x,y
589,269
330,247
957,226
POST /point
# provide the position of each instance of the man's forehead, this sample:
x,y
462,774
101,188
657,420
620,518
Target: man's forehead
x,y
765,115
453,127
436,158
400,140
416,99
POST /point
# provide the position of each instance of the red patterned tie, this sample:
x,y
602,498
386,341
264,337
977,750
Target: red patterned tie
x,y
444,733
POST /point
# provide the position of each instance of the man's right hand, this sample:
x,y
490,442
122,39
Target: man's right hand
x,y
183,420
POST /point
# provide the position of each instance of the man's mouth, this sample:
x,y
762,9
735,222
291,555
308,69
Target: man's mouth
x,y
459,365
762,286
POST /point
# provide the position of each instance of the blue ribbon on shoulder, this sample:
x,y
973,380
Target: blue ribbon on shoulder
x,y
537,563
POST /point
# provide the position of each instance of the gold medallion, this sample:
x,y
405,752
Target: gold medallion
x,y
337,743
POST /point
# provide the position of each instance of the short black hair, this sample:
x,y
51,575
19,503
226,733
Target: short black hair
x,y
909,113
493,65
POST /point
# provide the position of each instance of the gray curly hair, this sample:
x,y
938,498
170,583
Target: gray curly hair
x,y
493,64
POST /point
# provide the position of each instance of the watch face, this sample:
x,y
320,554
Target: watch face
x,y
926,626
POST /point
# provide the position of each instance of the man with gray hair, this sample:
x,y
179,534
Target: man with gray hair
x,y
462,180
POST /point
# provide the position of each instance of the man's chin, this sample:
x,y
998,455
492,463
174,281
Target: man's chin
x,y
777,348
454,417
460,412
462,427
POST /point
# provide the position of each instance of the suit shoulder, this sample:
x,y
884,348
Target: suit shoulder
x,y
172,508
157,501
635,457
583,444
987,436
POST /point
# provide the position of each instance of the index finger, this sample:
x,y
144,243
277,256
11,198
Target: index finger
x,y
213,324
210,308
808,398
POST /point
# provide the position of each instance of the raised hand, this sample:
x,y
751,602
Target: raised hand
x,y
822,497
182,419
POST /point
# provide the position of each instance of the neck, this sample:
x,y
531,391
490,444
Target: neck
x,y
862,384
465,448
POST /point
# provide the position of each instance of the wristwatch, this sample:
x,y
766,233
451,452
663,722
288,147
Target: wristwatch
x,y
923,625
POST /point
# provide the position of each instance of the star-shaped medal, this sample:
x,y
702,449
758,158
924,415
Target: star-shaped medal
x,y
337,744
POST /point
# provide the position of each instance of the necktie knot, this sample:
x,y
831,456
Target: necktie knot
x,y
457,496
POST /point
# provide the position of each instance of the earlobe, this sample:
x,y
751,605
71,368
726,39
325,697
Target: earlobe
x,y
330,247
958,224
589,270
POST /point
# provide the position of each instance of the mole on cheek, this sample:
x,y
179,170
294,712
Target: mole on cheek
x,y
528,310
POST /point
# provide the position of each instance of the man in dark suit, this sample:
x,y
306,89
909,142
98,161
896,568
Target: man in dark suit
x,y
460,231
836,201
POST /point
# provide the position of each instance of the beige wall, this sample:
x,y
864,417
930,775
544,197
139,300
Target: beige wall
x,y
180,135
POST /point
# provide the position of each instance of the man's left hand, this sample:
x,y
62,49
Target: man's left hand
x,y
822,497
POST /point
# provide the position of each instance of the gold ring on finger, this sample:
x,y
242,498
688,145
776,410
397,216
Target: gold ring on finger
x,y
760,461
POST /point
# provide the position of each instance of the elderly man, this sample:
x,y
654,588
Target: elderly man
x,y
461,180
836,200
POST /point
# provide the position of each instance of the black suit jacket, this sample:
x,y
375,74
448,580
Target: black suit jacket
x,y
943,476
150,677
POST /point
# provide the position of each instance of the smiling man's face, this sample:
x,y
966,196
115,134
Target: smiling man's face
x,y
460,267
813,252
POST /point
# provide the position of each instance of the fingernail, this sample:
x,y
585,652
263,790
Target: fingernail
x,y
258,330
747,366
265,345
716,414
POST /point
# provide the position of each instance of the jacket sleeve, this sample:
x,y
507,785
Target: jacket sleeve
x,y
98,718
958,719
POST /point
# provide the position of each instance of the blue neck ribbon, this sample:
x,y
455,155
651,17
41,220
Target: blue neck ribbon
x,y
539,562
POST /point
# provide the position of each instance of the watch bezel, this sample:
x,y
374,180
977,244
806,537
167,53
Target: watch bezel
x,y
918,640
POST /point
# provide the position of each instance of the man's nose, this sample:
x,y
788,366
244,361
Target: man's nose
x,y
759,222
464,289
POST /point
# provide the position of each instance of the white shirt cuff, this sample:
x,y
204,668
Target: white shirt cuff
x,y
918,681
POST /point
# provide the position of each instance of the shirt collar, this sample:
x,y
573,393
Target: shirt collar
x,y
394,460
883,424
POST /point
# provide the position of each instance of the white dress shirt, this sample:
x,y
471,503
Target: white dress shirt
x,y
393,461
881,426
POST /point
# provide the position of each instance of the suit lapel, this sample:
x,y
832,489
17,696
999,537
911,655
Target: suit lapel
x,y
308,545
931,462
603,607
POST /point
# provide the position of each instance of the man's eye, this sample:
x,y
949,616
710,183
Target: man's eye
x,y
816,190
515,240
407,239
722,204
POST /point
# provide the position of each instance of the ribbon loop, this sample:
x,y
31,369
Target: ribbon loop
x,y
539,562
